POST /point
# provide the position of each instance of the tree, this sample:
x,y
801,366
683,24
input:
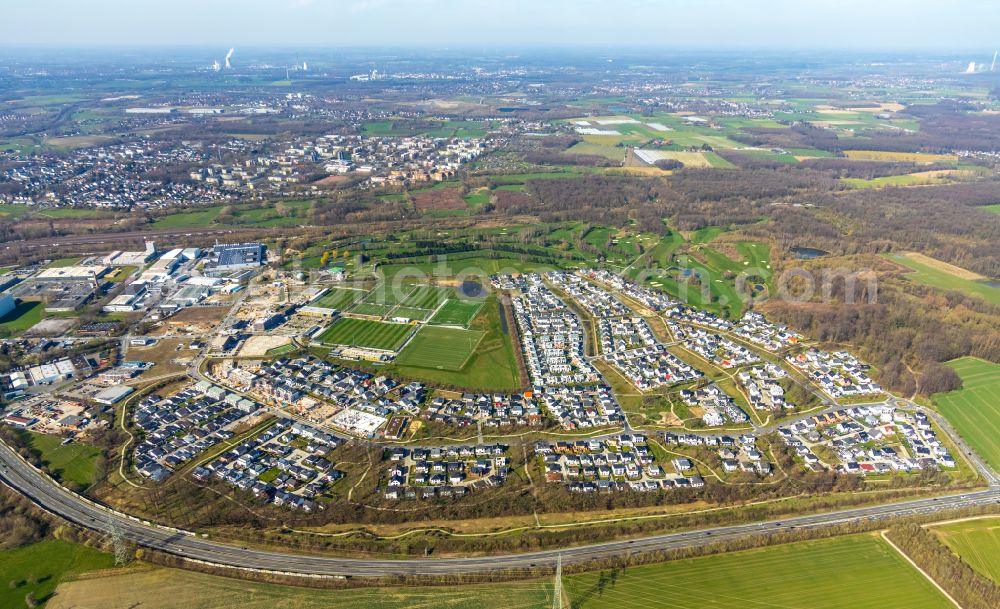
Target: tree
x,y
669,164
936,378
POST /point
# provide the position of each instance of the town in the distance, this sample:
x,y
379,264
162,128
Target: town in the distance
x,y
591,330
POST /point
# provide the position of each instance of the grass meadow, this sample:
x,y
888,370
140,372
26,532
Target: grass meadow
x,y
70,462
40,567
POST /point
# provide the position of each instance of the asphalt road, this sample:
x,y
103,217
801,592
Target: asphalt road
x,y
45,492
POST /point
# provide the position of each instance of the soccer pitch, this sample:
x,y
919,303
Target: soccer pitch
x,y
365,333
337,298
457,313
441,348
426,297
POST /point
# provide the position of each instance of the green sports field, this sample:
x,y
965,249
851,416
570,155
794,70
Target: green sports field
x,y
411,313
365,333
426,297
337,298
492,366
977,542
385,294
364,308
861,572
457,313
974,409
440,348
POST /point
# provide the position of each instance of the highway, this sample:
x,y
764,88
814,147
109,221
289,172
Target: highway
x,y
45,492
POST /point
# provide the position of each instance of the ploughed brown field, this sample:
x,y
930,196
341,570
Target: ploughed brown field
x,y
439,199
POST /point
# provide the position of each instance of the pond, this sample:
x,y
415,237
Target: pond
x,y
808,253
471,289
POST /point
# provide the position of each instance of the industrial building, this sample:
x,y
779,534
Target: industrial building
x,y
59,295
7,304
237,257
112,395
120,258
72,273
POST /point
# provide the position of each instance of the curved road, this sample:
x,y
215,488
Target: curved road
x,y
45,492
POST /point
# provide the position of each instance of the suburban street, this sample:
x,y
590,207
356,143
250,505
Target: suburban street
x,y
45,492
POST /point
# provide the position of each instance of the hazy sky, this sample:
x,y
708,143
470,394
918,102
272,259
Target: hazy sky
x,y
855,24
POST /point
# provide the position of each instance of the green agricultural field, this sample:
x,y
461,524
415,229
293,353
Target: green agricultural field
x,y
73,462
992,208
337,298
920,178
977,542
47,563
440,348
681,133
937,274
178,589
457,312
24,315
427,297
974,409
861,572
365,333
